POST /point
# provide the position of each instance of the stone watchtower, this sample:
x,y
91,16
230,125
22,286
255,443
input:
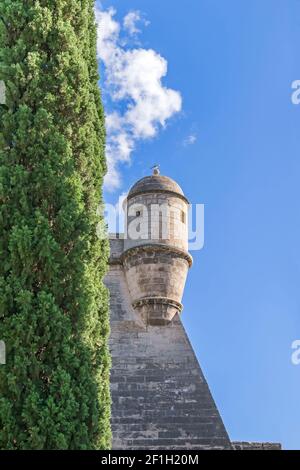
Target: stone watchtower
x,y
155,257
160,399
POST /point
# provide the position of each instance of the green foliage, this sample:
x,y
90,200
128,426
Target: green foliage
x,y
54,389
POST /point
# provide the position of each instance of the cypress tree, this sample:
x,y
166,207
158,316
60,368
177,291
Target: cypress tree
x,y
54,388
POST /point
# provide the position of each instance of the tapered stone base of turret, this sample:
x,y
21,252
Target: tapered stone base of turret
x,y
157,310
156,276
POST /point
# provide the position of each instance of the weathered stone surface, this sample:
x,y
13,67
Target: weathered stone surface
x,y
159,394
256,446
155,257
160,220
160,399
155,184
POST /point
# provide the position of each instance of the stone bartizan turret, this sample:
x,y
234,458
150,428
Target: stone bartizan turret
x,y
155,257
160,399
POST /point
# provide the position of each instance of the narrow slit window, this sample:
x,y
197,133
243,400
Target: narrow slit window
x,y
183,218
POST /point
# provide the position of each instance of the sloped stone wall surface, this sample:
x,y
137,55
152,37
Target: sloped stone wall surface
x,y
256,446
160,397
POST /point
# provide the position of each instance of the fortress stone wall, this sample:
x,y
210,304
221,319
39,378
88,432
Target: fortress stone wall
x,y
160,398
159,394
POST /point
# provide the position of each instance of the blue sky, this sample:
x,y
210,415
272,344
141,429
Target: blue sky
x,y
234,146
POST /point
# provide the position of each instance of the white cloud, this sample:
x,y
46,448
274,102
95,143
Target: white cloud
x,y
133,80
190,140
131,20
